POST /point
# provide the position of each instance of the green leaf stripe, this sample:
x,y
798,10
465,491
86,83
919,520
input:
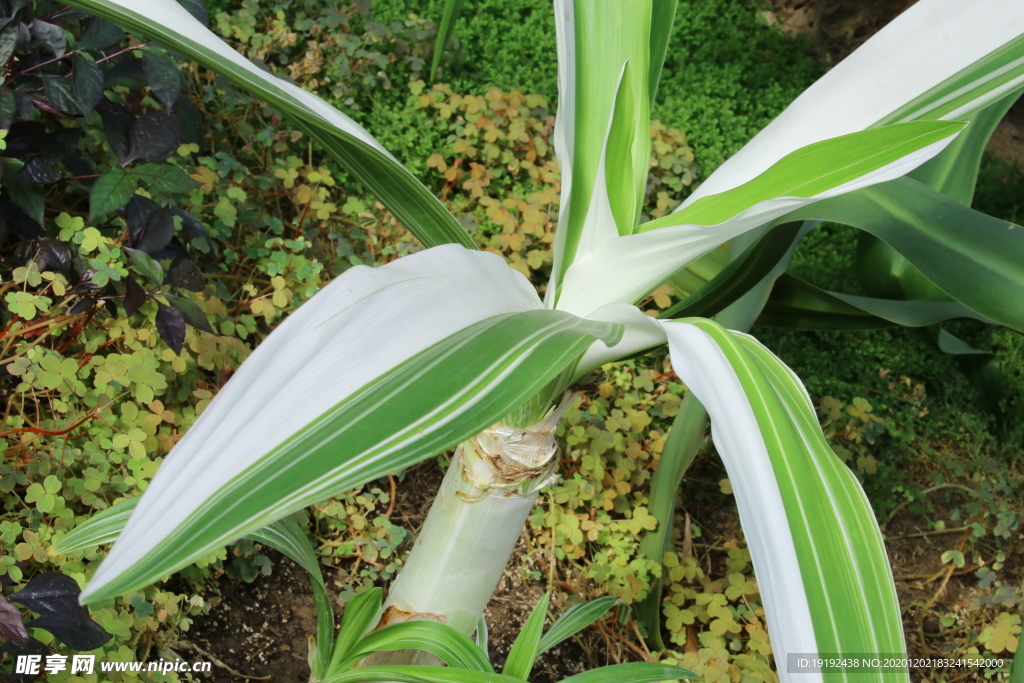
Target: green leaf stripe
x,y
634,672
975,86
453,647
843,569
815,169
526,646
417,674
167,23
286,536
452,11
575,619
360,616
431,402
103,527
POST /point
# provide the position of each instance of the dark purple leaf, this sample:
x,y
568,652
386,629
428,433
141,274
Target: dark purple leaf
x,y
172,251
50,254
51,36
117,122
24,35
41,169
86,303
78,634
100,34
156,233
53,594
8,106
11,625
192,228
27,196
138,211
134,296
171,326
24,104
32,647
193,125
77,165
62,144
185,274
24,138
191,312
8,43
60,94
88,80
164,77
85,285
13,219
126,72
44,107
154,136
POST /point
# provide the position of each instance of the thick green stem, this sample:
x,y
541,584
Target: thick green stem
x,y
473,525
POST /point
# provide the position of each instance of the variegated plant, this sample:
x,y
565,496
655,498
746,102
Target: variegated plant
x,y
451,348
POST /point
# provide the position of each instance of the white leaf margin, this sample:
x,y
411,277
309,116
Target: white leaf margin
x,y
361,325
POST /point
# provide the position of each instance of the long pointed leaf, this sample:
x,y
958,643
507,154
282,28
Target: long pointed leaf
x,y
417,674
954,171
795,304
663,15
634,672
285,535
452,646
818,555
452,12
361,613
971,256
739,276
935,48
602,136
626,268
575,619
103,527
170,24
381,369
527,644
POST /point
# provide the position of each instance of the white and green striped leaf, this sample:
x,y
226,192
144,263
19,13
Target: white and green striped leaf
x,y
575,619
910,70
361,614
939,59
168,23
818,554
526,646
285,535
103,527
602,134
626,268
634,672
452,646
380,370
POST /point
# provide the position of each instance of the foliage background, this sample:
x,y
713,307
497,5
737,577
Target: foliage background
x,y
944,477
